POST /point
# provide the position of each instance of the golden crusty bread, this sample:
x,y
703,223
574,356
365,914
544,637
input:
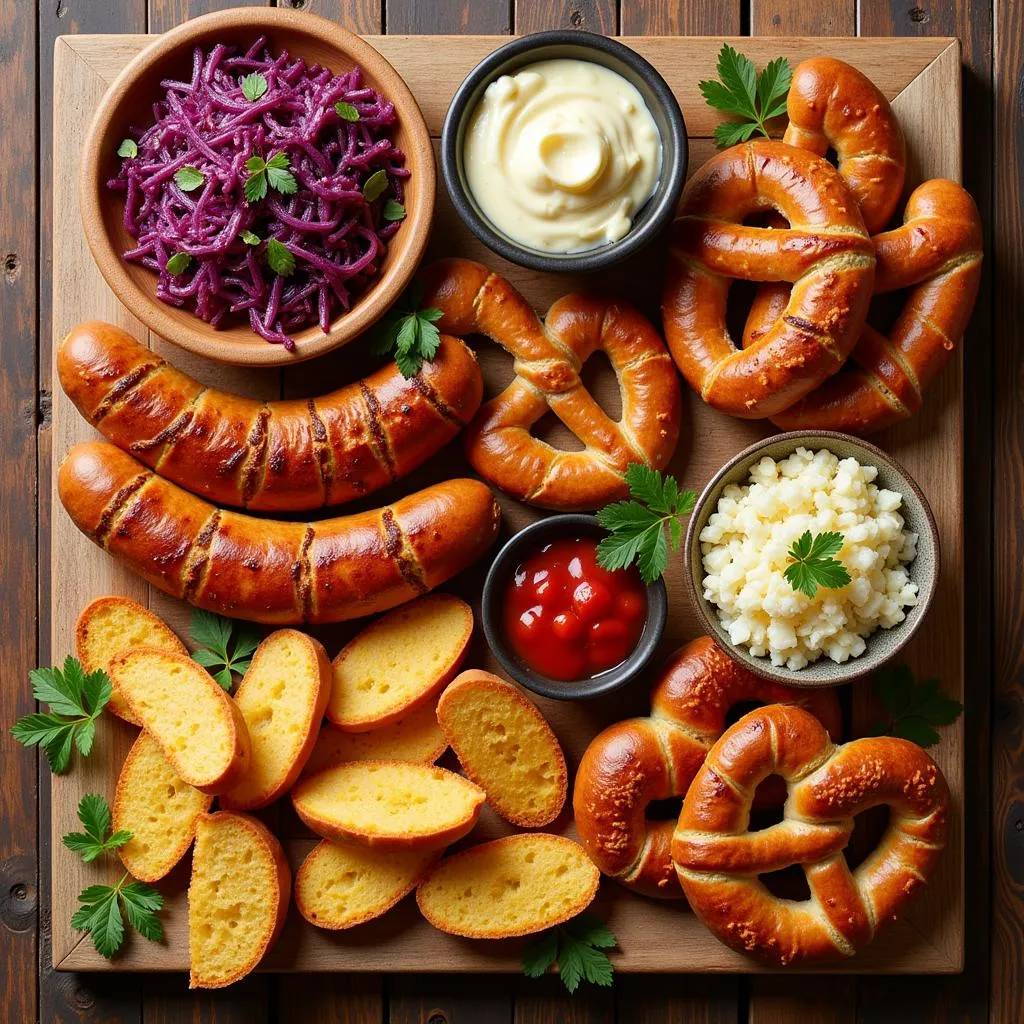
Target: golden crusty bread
x,y
505,746
393,804
160,810
340,885
416,737
400,662
198,726
237,898
110,625
282,699
512,886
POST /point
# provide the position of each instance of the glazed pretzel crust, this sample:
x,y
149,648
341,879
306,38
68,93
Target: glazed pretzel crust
x,y
825,253
718,860
636,761
548,357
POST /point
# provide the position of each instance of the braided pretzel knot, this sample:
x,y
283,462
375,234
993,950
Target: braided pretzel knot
x,y
548,358
633,762
718,860
825,253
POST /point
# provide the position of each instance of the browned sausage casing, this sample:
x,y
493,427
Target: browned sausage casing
x,y
267,570
269,456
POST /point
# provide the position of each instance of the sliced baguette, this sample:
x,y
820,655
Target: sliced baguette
x,y
111,625
392,804
400,662
505,746
160,810
340,885
282,699
513,886
198,726
417,737
237,898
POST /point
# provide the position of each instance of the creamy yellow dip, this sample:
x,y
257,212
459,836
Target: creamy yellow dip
x,y
561,155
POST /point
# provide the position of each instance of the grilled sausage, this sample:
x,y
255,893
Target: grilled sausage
x,y
267,570
269,456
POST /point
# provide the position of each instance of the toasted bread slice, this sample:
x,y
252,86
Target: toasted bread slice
x,y
199,728
340,885
111,625
237,898
282,699
505,745
400,662
158,808
513,886
394,804
417,737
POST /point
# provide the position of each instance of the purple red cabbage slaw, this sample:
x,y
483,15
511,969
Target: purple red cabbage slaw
x,y
337,238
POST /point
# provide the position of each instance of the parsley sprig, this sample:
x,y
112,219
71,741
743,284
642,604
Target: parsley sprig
x,y
275,172
637,526
741,91
225,645
409,332
254,86
76,698
812,564
94,814
578,949
913,708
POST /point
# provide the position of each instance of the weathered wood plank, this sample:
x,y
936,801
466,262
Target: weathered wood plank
x,y
356,15
678,999
680,17
434,999
439,17
803,17
589,15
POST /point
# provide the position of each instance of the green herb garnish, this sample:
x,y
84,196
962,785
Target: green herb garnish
x,y
226,646
76,698
94,814
280,258
577,947
407,331
128,147
374,186
188,178
253,86
250,238
913,708
178,263
100,913
812,564
636,526
756,98
346,111
393,210
275,172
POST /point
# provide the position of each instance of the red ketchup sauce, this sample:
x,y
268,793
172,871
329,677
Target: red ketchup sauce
x,y
566,617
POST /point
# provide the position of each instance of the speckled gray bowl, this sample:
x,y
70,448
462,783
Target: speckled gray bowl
x,y
883,644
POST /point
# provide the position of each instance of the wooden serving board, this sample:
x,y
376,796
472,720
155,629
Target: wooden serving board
x,y
922,79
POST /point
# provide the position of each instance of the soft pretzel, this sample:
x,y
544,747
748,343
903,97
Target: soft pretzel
x,y
548,358
633,762
718,860
825,253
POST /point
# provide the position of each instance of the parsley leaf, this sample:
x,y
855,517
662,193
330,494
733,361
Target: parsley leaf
x,y
225,646
408,332
253,86
275,171
250,238
76,699
101,908
279,176
636,526
178,263
128,148
280,258
912,708
346,111
742,92
94,814
374,186
188,179
577,949
813,565
393,210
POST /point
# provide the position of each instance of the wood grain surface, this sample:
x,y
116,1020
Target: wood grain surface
x,y
993,522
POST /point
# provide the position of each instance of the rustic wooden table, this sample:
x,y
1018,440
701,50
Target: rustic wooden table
x,y
992,986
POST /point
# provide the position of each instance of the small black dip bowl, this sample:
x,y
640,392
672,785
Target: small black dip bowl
x,y
648,221
520,547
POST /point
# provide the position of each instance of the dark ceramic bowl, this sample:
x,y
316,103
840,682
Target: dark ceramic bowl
x,y
883,644
655,214
520,546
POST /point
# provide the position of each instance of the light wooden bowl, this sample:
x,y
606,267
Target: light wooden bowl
x,y
128,103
